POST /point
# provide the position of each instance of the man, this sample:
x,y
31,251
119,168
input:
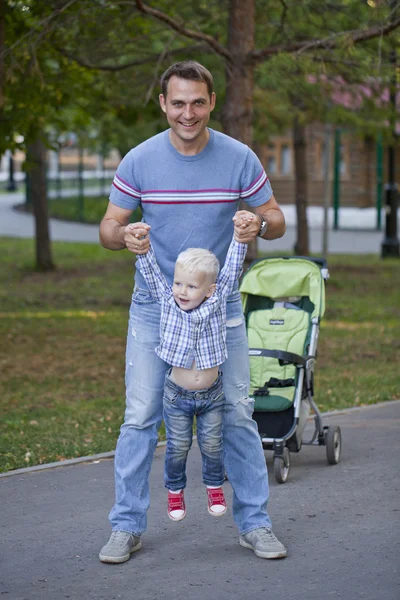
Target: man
x,y
189,181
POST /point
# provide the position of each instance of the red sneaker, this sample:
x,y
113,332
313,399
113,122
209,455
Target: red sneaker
x,y
176,506
216,502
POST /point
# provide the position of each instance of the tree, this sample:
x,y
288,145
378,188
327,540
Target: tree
x,y
37,85
242,39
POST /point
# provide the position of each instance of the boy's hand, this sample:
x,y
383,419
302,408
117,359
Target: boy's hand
x,y
247,226
137,238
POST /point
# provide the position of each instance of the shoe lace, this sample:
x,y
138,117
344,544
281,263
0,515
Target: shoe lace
x,y
118,539
266,535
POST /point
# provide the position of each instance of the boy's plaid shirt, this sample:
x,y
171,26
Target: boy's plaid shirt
x,y
199,334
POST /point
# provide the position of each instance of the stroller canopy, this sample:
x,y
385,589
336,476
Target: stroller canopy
x,y
278,278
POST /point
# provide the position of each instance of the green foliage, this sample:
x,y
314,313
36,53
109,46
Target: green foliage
x,y
39,83
343,85
94,67
90,94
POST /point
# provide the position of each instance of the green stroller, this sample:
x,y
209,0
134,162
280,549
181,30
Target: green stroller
x,y
284,302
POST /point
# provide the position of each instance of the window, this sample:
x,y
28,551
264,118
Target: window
x,y
343,160
286,160
278,158
271,165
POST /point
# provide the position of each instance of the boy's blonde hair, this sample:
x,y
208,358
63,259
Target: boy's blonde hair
x,y
199,260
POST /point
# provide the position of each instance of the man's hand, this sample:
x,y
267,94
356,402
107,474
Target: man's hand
x,y
247,226
137,238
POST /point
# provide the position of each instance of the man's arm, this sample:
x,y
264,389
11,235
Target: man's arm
x,y
272,214
116,235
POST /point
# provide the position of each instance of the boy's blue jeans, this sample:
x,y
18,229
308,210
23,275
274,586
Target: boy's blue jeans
x,y
180,407
145,375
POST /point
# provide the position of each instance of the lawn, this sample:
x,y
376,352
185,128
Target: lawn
x,y
90,209
62,356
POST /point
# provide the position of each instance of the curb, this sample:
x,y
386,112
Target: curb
x,y
96,458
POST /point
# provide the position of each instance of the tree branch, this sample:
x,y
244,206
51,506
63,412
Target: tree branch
x,y
283,15
358,35
156,70
189,33
134,63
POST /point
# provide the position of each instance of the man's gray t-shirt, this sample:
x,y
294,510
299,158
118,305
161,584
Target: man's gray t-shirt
x,y
189,201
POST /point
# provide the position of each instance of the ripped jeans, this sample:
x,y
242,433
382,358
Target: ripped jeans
x,y
145,373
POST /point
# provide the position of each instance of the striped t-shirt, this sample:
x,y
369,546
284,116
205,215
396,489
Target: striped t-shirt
x,y
189,201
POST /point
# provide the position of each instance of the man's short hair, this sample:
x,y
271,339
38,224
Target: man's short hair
x,y
187,69
199,260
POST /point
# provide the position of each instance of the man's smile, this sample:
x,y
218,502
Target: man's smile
x,y
188,125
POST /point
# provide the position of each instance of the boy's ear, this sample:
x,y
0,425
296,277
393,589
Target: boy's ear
x,y
211,290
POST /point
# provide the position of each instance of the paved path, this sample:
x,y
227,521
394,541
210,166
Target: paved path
x,y
15,223
340,525
362,238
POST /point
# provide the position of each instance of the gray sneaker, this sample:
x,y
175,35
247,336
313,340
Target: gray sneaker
x,y
119,547
263,543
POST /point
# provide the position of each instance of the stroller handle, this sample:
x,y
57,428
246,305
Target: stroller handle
x,y
321,262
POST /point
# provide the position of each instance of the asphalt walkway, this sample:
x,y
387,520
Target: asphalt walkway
x,y
340,525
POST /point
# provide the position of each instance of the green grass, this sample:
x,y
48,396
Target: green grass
x,y
91,210
73,183
63,343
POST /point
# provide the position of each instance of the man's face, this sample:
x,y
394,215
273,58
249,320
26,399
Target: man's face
x,y
191,289
187,107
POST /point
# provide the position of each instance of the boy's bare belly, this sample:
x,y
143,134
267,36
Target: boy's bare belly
x,y
192,379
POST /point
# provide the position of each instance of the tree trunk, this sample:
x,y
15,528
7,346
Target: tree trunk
x,y
300,165
237,112
36,167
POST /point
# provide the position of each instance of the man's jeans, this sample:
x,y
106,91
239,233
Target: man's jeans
x,y
180,407
145,373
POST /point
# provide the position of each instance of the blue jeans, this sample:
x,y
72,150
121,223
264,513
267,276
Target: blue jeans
x,y
180,407
145,374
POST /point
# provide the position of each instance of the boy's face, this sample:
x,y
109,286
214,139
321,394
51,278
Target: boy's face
x,y
191,289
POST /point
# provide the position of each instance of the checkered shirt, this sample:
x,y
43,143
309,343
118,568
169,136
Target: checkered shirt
x,y
198,334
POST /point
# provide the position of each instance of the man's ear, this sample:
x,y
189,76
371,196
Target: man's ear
x,y
162,102
211,290
213,100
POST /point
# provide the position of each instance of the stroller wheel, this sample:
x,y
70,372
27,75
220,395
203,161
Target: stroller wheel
x,y
333,443
282,466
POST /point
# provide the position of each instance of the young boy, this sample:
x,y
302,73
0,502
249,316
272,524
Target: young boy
x,y
193,341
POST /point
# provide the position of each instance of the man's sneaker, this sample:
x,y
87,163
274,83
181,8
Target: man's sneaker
x,y
263,543
176,506
216,502
119,547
